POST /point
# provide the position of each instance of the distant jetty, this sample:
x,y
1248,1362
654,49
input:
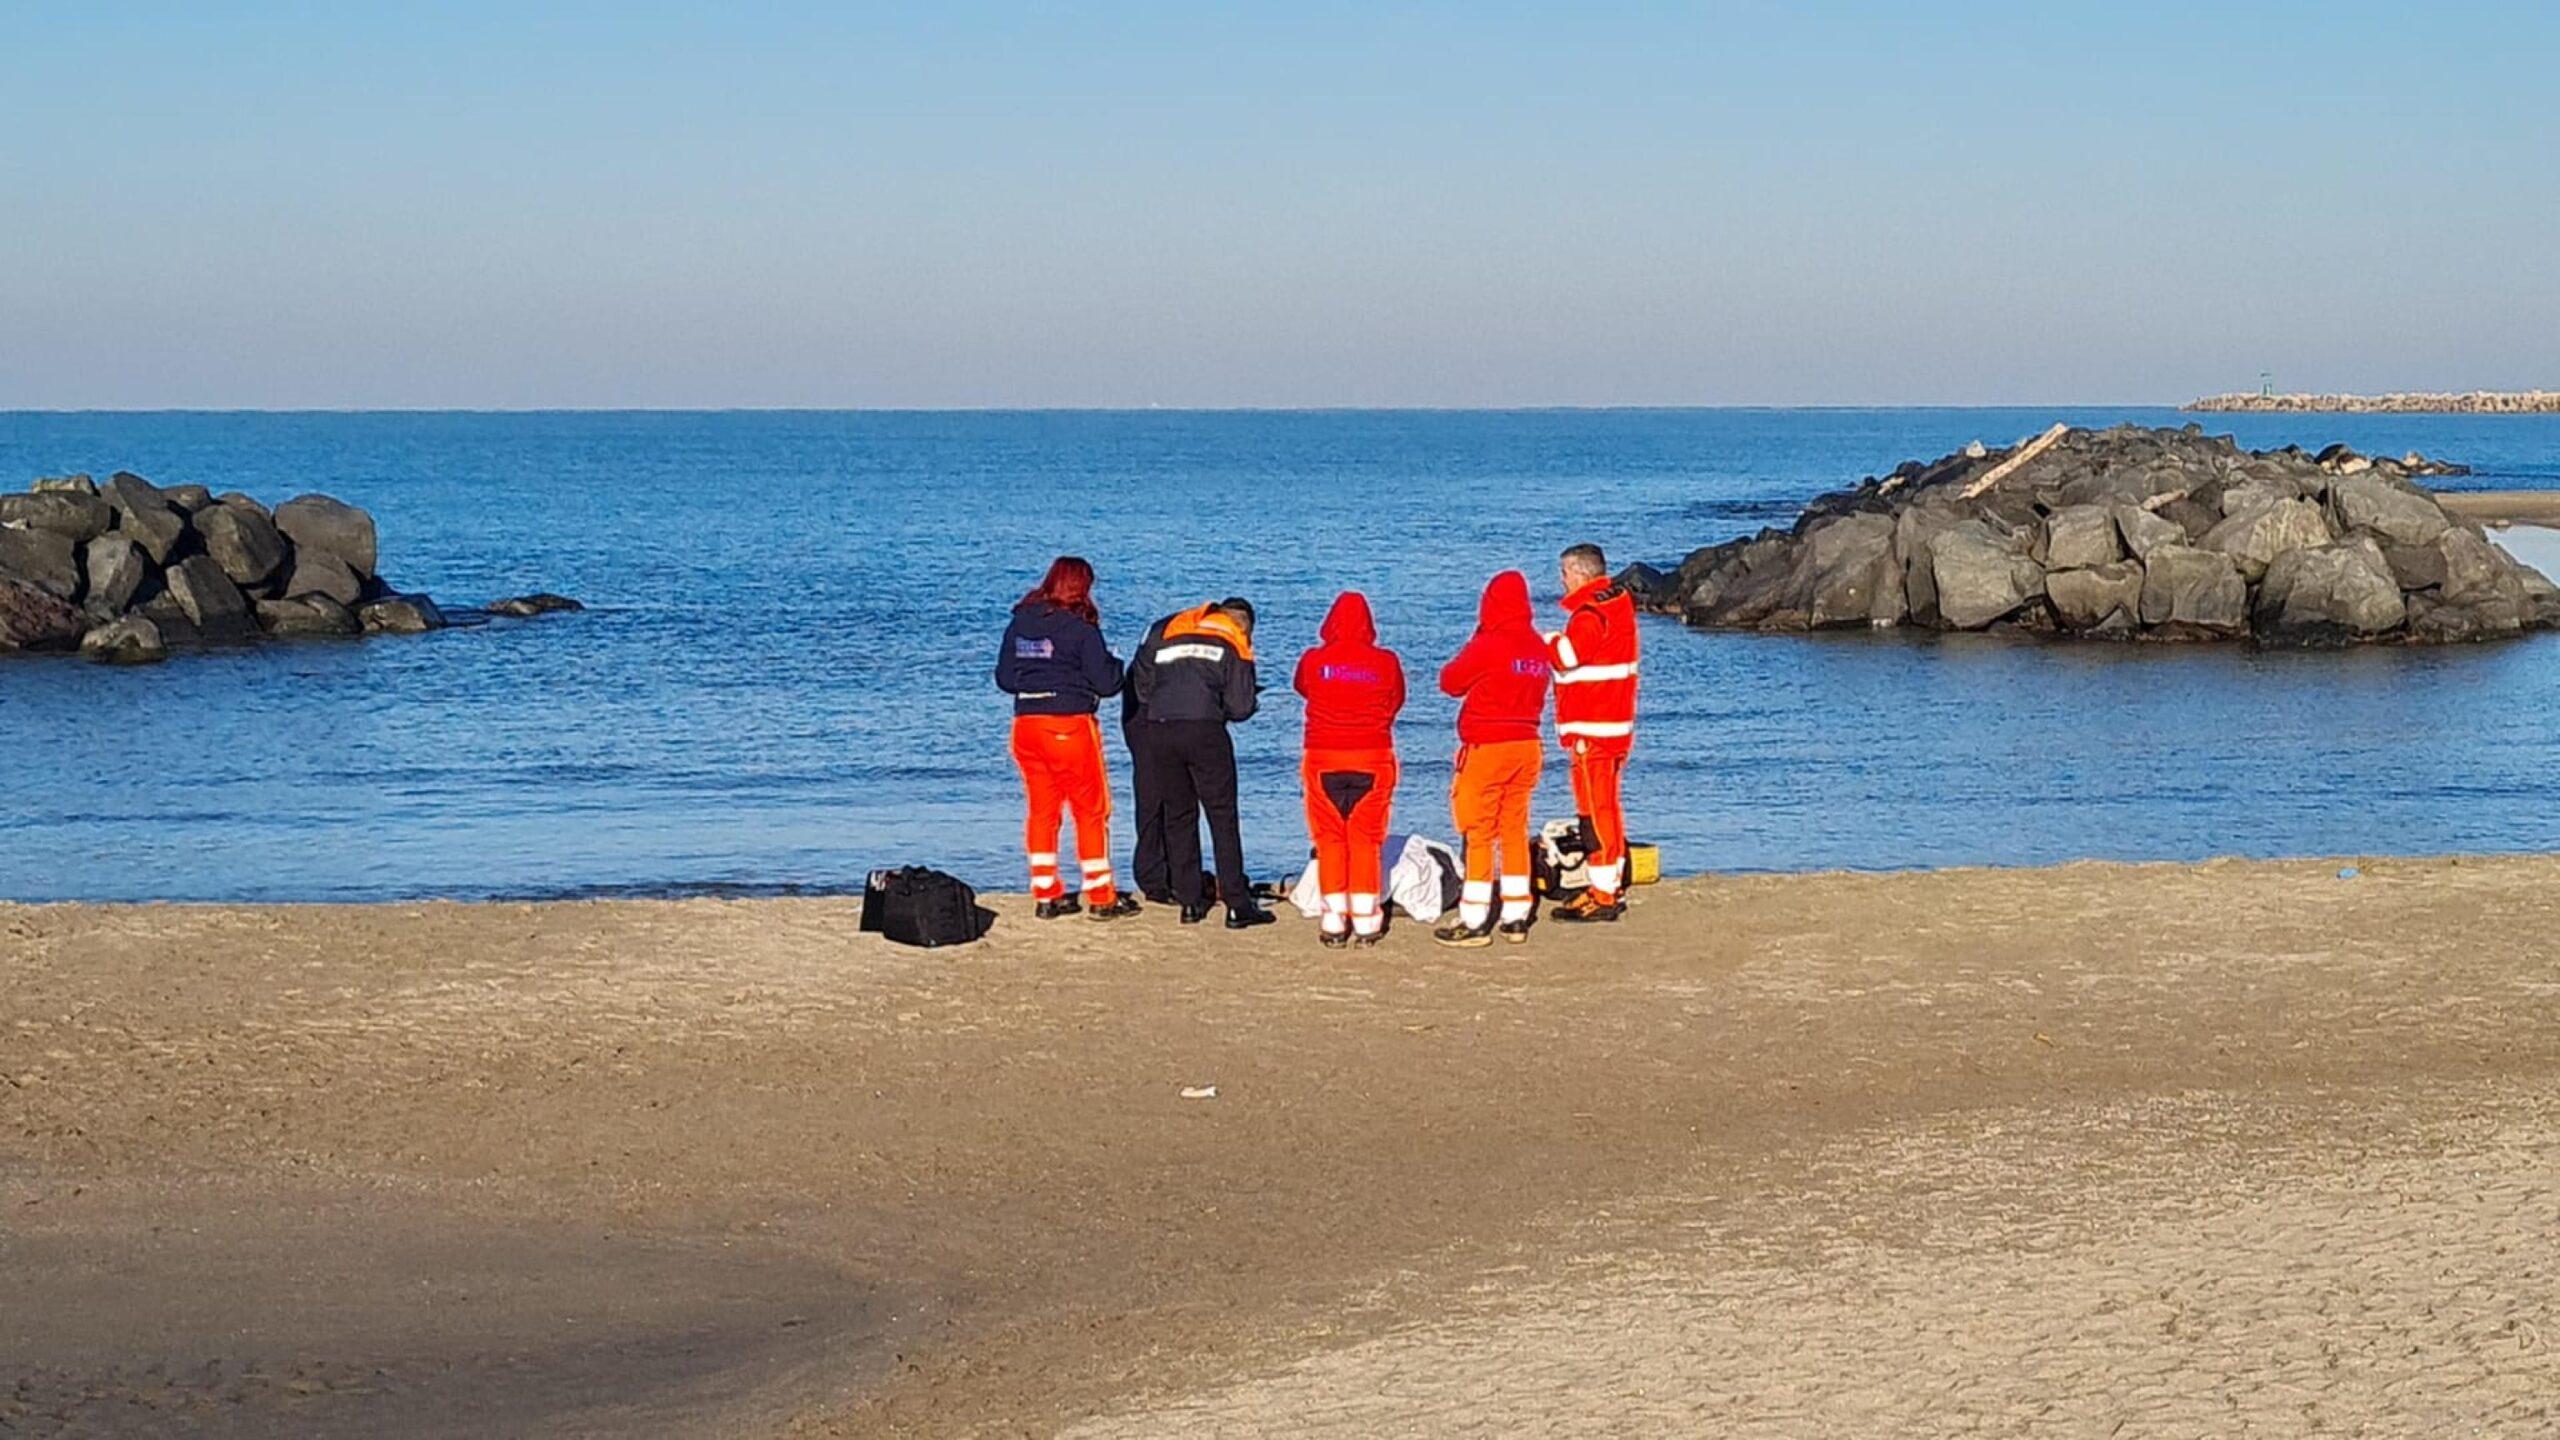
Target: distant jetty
x,y
2475,402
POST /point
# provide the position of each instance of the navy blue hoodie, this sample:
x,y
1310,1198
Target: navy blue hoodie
x,y
1053,663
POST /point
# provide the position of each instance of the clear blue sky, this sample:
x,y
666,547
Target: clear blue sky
x,y
1301,204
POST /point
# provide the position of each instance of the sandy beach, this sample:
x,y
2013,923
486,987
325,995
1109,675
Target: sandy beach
x,y
2237,1148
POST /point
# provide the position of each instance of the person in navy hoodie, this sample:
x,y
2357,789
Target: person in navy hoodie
x,y
1058,670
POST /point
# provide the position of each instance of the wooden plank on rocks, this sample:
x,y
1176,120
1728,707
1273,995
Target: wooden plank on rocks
x,y
2020,456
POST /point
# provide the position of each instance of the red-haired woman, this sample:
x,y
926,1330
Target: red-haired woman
x,y
1057,669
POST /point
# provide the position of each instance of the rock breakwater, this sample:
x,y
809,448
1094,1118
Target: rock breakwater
x,y
125,572
2126,533
2469,402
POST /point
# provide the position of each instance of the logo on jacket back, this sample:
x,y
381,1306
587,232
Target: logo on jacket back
x,y
1526,666
1168,653
1355,674
1026,647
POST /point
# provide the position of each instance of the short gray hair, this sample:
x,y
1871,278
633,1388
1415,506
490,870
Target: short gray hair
x,y
1586,557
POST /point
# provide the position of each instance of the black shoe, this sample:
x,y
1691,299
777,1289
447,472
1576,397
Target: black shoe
x,y
1120,906
1589,908
1052,909
1161,897
1515,931
1367,942
1334,939
1459,935
1194,914
1249,917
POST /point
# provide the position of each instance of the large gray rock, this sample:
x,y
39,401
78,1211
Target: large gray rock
x,y
1650,588
2102,598
188,499
2397,516
2441,622
1915,531
307,615
33,619
400,615
2484,595
2078,537
2247,497
209,600
2415,567
119,573
316,572
2474,569
46,559
133,640
2254,537
82,517
2193,593
2144,532
130,492
1979,576
154,529
332,527
64,485
1854,578
2328,595
1743,586
242,541
176,627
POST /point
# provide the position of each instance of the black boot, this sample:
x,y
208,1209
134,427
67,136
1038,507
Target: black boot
x,y
1248,915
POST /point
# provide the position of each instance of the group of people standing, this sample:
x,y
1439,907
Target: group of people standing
x,y
1194,675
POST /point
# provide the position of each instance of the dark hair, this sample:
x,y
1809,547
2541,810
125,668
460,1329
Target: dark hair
x,y
1586,555
1239,607
1068,586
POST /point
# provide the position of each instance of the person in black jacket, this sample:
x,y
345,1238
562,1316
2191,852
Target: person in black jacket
x,y
1146,855
1194,677
1057,669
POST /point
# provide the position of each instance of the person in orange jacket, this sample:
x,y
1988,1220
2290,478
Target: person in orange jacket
x,y
1501,676
1595,658
1354,689
1054,664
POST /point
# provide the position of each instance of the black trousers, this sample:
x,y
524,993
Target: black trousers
x,y
1194,764
1147,863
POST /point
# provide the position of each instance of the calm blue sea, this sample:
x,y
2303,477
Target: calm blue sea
x,y
783,681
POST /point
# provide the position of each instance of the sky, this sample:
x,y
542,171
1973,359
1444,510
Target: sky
x,y
1309,204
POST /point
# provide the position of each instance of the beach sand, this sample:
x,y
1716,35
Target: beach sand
x,y
2236,1148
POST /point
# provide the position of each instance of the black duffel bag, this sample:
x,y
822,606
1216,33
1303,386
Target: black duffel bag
x,y
918,906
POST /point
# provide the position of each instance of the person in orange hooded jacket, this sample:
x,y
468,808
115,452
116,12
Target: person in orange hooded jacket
x,y
1501,676
1354,689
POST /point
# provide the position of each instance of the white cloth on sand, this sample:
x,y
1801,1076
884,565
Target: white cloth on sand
x,y
1419,873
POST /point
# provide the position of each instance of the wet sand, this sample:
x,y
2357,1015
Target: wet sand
x,y
2225,1149
2504,507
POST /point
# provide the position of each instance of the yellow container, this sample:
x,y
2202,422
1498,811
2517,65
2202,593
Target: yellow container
x,y
1644,863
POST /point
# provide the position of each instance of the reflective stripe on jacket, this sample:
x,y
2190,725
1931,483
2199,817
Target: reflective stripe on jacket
x,y
1196,665
1596,664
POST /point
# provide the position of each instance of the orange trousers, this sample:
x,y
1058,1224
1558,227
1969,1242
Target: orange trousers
x,y
1490,802
1061,761
1598,767
1350,795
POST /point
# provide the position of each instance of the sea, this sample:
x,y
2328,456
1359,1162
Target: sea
x,y
782,680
